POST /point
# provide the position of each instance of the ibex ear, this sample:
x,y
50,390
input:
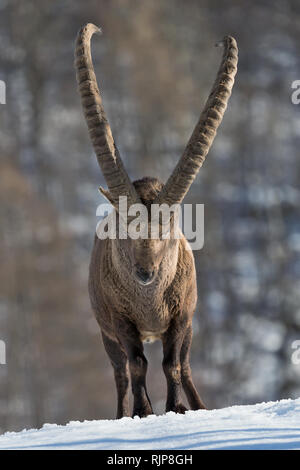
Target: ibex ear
x,y
107,195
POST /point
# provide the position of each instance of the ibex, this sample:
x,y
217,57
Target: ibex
x,y
146,288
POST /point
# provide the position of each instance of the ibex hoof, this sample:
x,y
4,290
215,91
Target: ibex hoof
x,y
179,408
142,411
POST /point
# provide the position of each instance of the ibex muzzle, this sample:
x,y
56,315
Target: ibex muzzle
x,y
142,290
144,276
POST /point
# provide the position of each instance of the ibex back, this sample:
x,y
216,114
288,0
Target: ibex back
x,y
145,289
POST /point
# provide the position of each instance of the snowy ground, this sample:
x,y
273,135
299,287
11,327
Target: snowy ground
x,y
273,425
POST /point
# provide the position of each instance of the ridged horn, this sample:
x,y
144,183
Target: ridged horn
x,y
204,133
106,151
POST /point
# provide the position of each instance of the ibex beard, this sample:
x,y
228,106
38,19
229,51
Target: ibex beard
x,y
145,289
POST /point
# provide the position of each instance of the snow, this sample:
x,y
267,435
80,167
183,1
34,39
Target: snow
x,y
272,425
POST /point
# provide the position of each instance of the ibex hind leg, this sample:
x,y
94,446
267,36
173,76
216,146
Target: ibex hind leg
x,y
186,374
119,362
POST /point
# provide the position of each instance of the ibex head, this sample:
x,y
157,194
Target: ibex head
x,y
146,255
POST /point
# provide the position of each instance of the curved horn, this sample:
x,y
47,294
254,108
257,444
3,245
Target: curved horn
x,y
204,133
107,153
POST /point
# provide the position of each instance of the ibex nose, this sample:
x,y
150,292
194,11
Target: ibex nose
x,y
144,276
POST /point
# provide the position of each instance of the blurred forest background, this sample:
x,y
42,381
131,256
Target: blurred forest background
x,y
155,64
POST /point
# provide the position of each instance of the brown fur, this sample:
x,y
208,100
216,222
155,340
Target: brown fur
x,y
130,313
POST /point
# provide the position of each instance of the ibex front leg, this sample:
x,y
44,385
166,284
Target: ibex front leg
x,y
172,342
133,346
119,362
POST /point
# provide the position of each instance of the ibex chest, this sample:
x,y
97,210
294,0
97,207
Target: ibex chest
x,y
148,309
151,316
